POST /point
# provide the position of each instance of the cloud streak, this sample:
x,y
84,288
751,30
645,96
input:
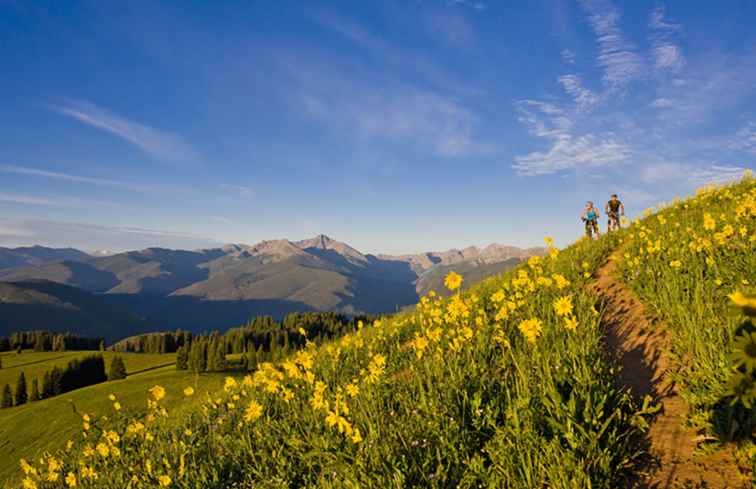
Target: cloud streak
x,y
617,56
161,145
21,232
66,177
666,52
585,100
22,199
240,190
745,139
385,109
568,150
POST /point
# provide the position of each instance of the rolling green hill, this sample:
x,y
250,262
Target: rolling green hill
x,y
28,430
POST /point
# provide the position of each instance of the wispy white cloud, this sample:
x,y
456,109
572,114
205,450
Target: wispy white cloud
x,y
400,58
568,150
473,4
240,190
617,56
28,200
568,56
23,199
584,98
716,174
661,103
222,220
14,232
18,232
162,145
21,170
368,110
666,52
745,139
451,27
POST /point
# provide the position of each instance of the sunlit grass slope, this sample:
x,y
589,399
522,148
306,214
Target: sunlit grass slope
x,y
505,385
684,261
35,364
31,429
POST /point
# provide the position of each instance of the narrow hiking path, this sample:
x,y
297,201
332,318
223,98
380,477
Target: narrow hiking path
x,y
640,344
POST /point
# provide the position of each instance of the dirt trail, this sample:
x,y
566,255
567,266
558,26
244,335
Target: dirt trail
x,y
639,343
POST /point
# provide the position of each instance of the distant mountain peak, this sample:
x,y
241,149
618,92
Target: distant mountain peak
x,y
320,241
325,243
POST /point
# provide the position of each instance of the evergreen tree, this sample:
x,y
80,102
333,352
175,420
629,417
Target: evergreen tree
x,y
21,395
47,387
211,355
34,394
220,357
198,356
56,381
7,397
182,358
117,369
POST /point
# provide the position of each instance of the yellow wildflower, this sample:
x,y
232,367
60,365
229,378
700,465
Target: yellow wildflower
x,y
709,223
563,306
453,281
189,391
28,483
352,390
164,480
71,479
230,384
103,450
157,392
746,302
253,411
531,329
570,323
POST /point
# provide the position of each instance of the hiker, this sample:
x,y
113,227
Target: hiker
x,y
590,217
614,209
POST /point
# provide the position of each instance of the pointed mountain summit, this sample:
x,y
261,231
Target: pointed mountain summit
x,y
324,243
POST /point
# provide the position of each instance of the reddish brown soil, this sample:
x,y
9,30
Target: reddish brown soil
x,y
640,345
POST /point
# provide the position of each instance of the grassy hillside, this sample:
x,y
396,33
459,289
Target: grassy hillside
x,y
684,262
35,364
496,384
29,430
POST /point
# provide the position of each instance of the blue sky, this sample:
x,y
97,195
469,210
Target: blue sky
x,y
394,126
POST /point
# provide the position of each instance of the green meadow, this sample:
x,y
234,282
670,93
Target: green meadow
x,y
29,430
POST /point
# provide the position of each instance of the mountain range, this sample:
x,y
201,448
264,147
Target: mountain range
x,y
221,287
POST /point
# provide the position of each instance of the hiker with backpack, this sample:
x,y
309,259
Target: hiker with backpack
x,y
590,217
614,209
